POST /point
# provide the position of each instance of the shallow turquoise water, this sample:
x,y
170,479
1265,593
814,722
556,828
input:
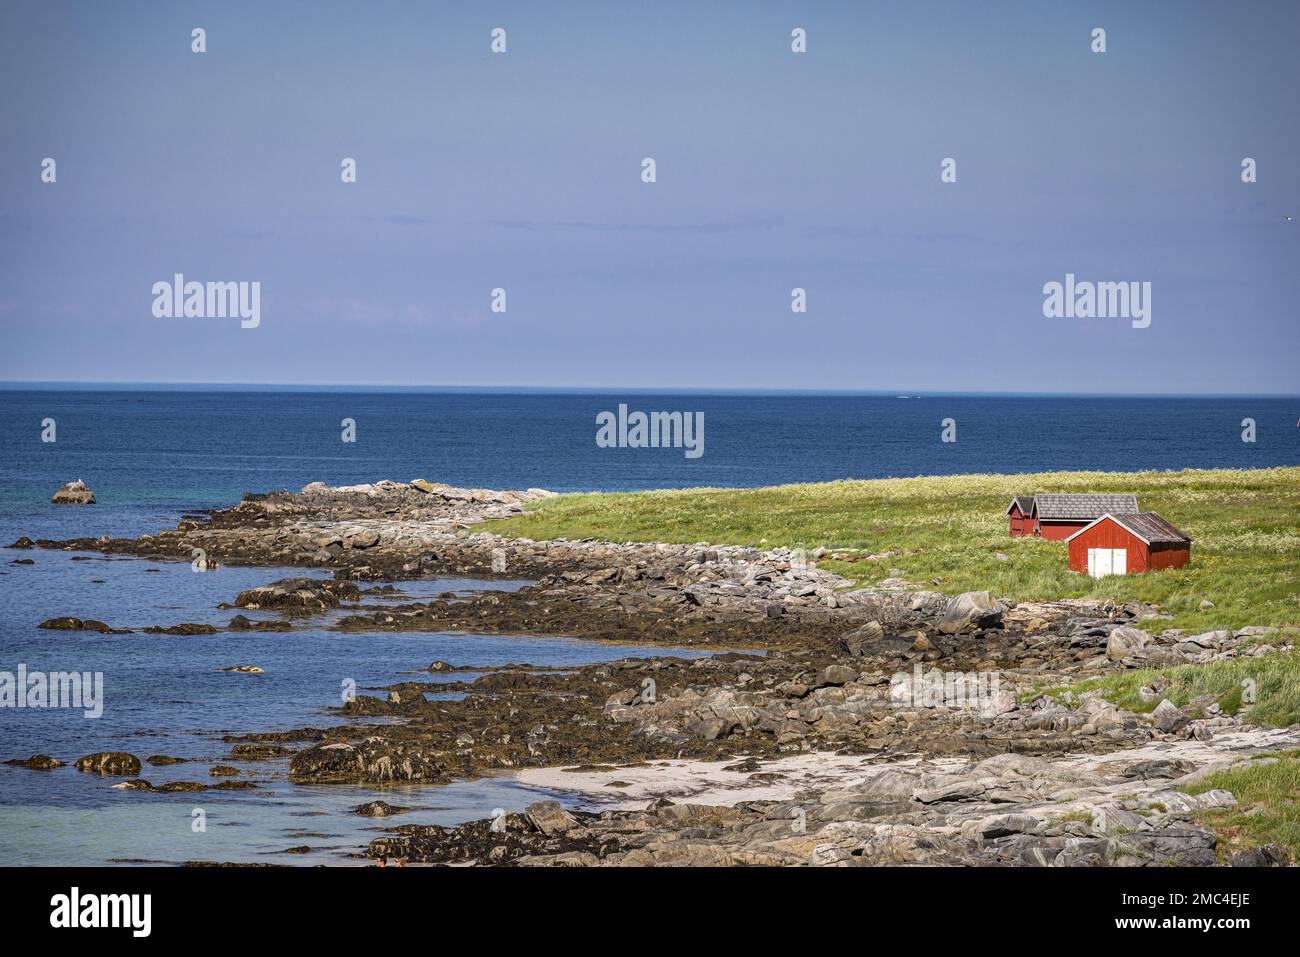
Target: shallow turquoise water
x,y
164,695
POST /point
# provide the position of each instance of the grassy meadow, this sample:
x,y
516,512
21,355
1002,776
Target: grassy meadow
x,y
1273,682
1245,523
1268,809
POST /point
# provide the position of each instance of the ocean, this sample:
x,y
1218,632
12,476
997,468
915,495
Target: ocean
x,y
152,455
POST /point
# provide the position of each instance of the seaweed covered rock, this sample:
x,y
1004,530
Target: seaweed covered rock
x,y
373,760
109,762
300,594
37,762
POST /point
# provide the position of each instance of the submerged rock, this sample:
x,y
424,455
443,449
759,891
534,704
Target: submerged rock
x,y
37,762
185,628
162,760
68,623
378,809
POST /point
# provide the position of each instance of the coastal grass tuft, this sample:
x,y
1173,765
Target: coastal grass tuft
x,y
1245,523
1268,804
1274,678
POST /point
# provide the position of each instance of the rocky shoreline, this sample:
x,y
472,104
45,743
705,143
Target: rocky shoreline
x,y
816,667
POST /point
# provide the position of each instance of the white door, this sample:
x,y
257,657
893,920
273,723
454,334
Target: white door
x,y
1107,561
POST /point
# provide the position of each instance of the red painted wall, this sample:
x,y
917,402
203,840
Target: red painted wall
x,y
1169,556
1056,531
1017,522
1141,558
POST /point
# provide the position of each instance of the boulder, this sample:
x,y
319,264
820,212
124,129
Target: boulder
x,y
74,493
1168,717
550,817
1126,642
109,762
970,611
835,675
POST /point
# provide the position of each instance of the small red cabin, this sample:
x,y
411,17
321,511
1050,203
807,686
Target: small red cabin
x,y
1128,544
1021,511
1058,515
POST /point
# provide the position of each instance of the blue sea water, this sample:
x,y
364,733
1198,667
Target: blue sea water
x,y
153,455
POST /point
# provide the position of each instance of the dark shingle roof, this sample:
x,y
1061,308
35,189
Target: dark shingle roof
x,y
1151,527
1086,505
1025,502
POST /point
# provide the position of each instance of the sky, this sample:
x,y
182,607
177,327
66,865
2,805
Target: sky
x,y
775,170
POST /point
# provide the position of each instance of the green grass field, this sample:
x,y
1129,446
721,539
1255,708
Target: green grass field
x,y
1245,523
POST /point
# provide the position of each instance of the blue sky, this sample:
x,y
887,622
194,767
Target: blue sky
x,y
775,170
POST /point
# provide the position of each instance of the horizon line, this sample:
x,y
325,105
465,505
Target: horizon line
x,y
18,384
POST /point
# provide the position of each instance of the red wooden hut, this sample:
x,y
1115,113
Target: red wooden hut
x,y
1058,515
1020,510
1128,544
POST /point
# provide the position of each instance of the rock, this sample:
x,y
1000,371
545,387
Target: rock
x,y
373,761
1165,847
185,628
830,855
550,817
74,493
1168,717
222,771
68,623
244,669
1266,855
1111,819
37,762
1206,604
970,611
300,594
1126,642
378,809
855,640
1000,825
244,623
109,762
835,675
362,539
